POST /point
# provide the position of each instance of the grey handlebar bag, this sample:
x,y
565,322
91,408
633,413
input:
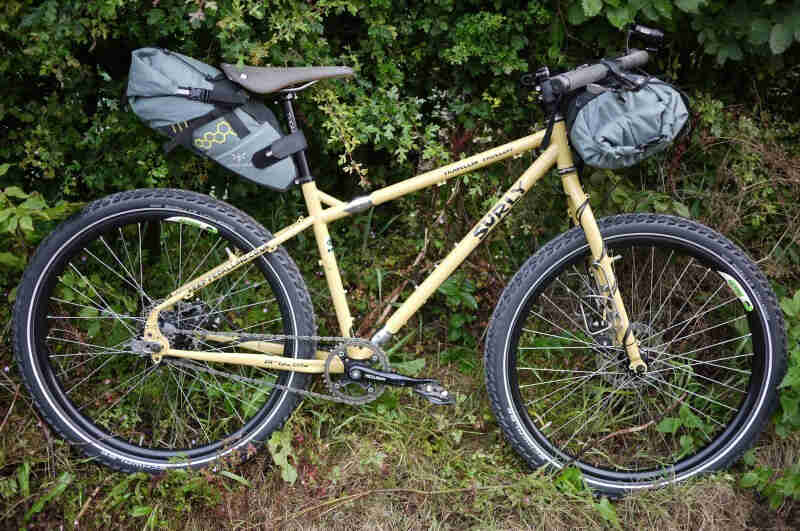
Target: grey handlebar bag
x,y
198,107
615,125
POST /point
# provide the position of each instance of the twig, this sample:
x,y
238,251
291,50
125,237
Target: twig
x,y
351,497
8,413
86,505
634,429
370,321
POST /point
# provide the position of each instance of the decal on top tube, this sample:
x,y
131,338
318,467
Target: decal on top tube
x,y
737,290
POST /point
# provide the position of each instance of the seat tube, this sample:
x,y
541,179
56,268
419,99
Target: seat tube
x,y
581,213
327,258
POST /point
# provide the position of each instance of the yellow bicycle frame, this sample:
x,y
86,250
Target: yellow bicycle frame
x,y
269,354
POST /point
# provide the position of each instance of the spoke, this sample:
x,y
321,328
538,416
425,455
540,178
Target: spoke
x,y
573,338
143,376
707,362
695,316
565,379
130,262
651,418
188,403
95,317
597,409
180,254
577,339
135,286
227,294
565,314
203,261
670,356
208,370
264,302
671,291
578,297
649,381
583,380
693,373
111,357
102,300
679,388
258,324
658,282
566,370
676,339
107,349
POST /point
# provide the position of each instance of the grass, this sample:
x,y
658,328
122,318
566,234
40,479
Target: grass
x,y
398,463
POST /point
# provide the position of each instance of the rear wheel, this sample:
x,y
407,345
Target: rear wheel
x,y
79,318
709,330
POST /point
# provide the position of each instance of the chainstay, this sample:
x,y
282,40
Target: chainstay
x,y
339,341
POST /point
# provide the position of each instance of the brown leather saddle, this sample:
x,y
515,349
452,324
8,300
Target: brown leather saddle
x,y
263,80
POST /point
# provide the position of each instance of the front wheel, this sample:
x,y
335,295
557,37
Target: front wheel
x,y
79,319
709,330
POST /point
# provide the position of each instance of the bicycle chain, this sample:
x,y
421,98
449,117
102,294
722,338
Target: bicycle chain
x,y
341,343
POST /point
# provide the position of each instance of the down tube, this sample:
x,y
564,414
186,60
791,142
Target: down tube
x,y
475,236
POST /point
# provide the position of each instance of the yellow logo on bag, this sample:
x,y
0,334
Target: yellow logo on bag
x,y
218,136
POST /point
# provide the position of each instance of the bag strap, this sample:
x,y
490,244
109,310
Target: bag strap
x,y
279,150
222,92
628,82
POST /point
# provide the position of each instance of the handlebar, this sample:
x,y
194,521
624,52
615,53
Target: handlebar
x,y
580,77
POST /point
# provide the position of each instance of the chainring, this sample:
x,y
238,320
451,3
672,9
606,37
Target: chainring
x,y
348,390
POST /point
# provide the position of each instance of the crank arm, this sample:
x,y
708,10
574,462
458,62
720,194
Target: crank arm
x,y
427,388
358,371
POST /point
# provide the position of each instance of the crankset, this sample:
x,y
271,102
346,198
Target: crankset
x,y
364,381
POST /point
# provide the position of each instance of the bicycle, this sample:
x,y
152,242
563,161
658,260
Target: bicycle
x,y
163,328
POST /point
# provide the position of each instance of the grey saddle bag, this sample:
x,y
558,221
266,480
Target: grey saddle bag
x,y
199,108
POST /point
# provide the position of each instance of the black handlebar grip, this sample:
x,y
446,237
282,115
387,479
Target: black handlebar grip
x,y
575,79
648,34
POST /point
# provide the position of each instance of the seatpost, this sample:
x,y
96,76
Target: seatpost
x,y
300,159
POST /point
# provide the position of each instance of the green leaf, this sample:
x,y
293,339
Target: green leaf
x,y
619,16
4,168
575,15
749,480
792,378
24,478
759,31
608,512
62,483
12,260
669,425
791,306
26,223
410,368
664,8
141,510
591,7
236,477
15,191
34,202
280,446
780,38
729,50
681,209
690,6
